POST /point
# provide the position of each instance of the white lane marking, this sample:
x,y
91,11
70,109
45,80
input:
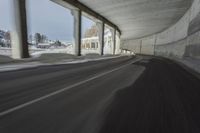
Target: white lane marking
x,y
62,90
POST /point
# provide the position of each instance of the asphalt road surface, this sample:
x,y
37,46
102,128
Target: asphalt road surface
x,y
122,95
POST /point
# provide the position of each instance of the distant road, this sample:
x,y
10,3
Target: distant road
x,y
122,95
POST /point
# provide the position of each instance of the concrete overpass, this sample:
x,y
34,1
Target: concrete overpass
x,y
177,40
147,93
162,28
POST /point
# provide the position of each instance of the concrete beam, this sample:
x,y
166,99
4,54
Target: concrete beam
x,y
19,30
89,11
77,31
101,27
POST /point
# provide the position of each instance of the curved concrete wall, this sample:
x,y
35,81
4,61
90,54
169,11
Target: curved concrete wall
x,y
180,40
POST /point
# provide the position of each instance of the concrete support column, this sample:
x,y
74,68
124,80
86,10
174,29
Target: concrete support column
x,y
19,30
154,46
117,46
141,47
101,28
114,45
77,31
113,31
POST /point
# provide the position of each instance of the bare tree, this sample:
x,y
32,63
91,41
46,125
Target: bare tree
x,y
44,38
37,37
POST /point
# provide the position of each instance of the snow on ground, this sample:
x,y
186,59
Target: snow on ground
x,y
44,62
5,51
50,51
36,52
48,57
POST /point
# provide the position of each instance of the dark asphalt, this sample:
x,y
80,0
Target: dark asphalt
x,y
164,99
150,96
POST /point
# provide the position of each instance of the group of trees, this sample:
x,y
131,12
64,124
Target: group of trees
x,y
57,43
38,38
5,39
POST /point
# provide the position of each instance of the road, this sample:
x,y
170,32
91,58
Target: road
x,y
122,95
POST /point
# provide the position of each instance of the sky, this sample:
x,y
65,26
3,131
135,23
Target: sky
x,y
4,12
45,17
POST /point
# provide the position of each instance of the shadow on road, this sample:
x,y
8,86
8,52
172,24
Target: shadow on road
x,y
164,99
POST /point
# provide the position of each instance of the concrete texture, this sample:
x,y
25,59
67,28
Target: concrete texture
x,y
181,40
139,18
162,28
191,64
117,50
140,46
100,26
187,47
77,32
19,29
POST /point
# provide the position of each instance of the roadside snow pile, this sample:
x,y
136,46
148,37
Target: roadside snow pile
x,y
52,51
5,51
55,57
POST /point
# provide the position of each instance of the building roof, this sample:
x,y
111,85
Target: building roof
x,y
44,44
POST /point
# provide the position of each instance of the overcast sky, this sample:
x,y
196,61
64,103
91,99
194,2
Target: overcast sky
x,y
44,17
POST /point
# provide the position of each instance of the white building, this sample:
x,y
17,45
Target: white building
x,y
91,44
44,45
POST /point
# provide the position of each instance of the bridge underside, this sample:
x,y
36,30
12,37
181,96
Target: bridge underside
x,y
125,94
162,28
139,18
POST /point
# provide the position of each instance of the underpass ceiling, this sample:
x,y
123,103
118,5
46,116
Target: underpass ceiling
x,y
139,18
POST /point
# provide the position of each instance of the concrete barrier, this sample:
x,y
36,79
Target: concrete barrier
x,y
180,40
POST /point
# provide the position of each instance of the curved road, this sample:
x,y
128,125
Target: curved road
x,y
122,95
